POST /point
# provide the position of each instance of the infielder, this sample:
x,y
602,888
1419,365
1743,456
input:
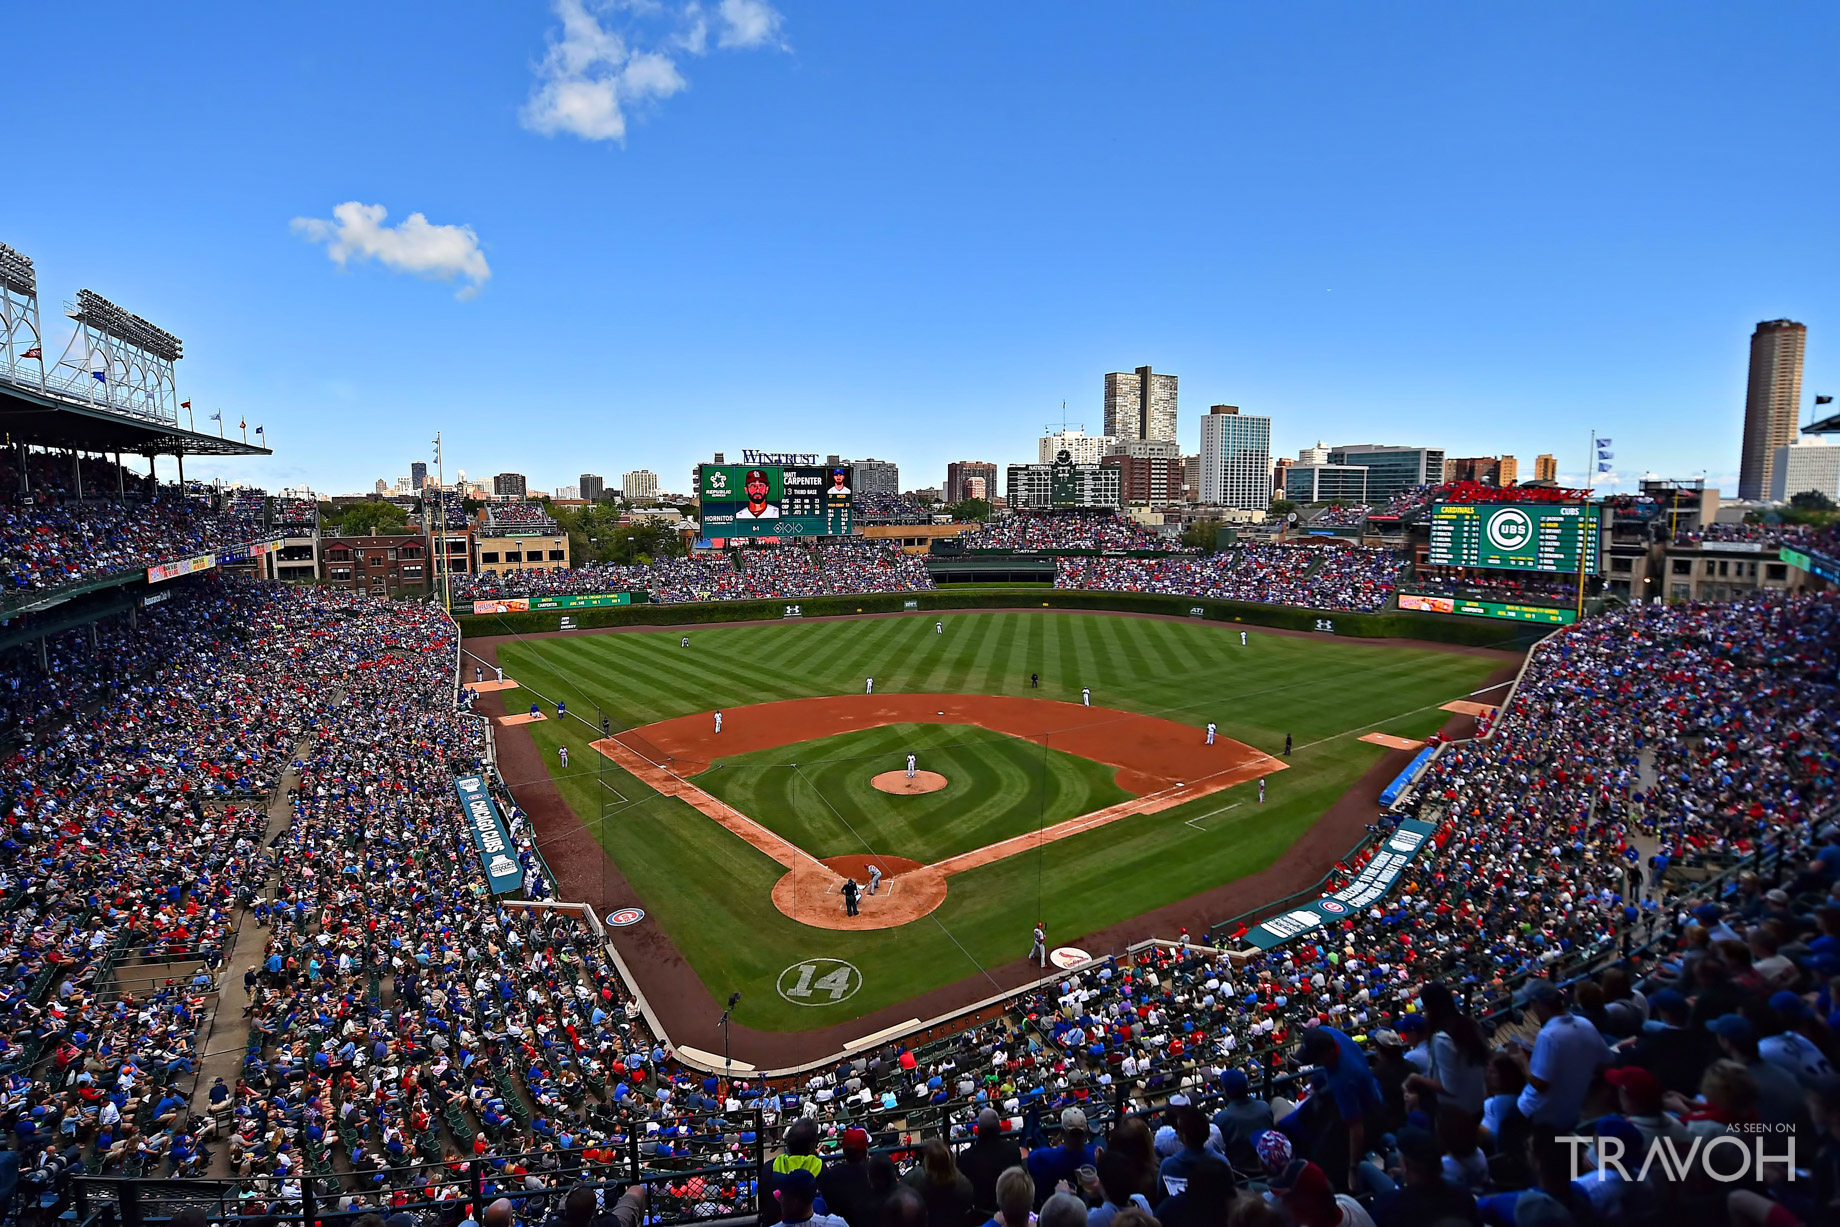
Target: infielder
x,y
562,708
1086,695
718,722
563,752
1040,949
534,711
1210,739
869,685
875,878
910,766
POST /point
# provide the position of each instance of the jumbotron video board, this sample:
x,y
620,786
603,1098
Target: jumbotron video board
x,y
774,500
1514,536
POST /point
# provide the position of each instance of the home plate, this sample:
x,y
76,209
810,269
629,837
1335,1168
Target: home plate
x,y
1389,741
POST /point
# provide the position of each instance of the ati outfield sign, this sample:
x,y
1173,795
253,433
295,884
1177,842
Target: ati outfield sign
x,y
1486,609
1369,886
489,837
526,604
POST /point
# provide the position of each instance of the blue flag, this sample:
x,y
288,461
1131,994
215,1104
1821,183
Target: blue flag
x,y
217,417
1603,455
1603,468
1603,443
99,376
258,430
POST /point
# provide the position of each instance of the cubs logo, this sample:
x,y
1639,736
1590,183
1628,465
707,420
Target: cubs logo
x,y
1335,907
626,917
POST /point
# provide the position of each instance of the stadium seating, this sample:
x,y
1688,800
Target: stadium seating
x,y
1028,531
1338,578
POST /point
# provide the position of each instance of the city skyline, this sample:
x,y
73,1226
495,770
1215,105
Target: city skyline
x,y
1383,238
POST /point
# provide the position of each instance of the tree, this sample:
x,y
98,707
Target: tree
x,y
1280,507
371,518
1201,535
970,509
1811,500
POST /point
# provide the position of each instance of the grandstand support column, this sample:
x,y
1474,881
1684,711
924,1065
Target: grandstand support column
x,y
121,480
181,458
76,468
25,482
44,663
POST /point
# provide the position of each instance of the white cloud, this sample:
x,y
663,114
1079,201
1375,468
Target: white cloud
x,y
749,23
593,74
440,253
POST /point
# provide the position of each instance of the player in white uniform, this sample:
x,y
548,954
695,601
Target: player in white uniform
x,y
1086,695
684,642
910,766
875,878
718,722
1040,949
939,628
1210,739
869,685
563,752
1242,639
1261,790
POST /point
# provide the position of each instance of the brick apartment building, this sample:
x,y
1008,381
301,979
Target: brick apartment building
x,y
395,565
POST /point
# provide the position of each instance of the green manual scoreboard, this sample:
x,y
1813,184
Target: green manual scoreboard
x,y
774,500
1514,536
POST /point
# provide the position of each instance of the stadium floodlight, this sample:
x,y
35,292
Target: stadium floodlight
x,y
105,317
16,272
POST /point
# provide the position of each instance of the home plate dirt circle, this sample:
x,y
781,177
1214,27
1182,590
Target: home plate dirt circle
x,y
897,782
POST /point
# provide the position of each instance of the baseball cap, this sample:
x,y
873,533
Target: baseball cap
x,y
1273,1148
1731,1027
1073,1118
799,1182
1787,1002
1668,999
1706,913
1234,1081
1418,1146
1778,896
1639,1082
1300,1176
855,1139
1545,992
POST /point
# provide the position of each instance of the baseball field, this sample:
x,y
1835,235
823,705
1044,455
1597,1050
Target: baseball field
x,y
736,843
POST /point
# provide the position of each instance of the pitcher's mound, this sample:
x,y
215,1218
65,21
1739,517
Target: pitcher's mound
x,y
898,783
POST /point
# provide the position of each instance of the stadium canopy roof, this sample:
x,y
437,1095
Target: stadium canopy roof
x,y
41,420
1829,425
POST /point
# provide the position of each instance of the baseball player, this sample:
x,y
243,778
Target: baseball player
x,y
718,722
1287,745
1040,949
1210,739
910,766
684,642
1242,639
875,878
479,673
1086,695
534,712
869,685
563,753
1261,790
1034,681
939,628
562,708
500,670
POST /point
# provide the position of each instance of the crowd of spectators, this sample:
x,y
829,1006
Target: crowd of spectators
x,y
881,507
518,514
1067,531
1490,585
1340,578
1758,533
836,568
1340,515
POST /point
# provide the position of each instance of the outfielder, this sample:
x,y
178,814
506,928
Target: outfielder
x,y
1210,739
684,642
1086,695
1242,639
910,766
869,685
563,752
1261,790
1040,949
939,628
718,722
875,878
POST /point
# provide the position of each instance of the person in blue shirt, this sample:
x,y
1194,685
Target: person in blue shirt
x,y
1339,1110
1049,1164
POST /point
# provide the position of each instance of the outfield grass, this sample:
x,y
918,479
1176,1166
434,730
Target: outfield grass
x,y
818,795
711,891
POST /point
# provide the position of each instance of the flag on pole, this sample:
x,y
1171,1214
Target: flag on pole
x,y
1603,443
242,424
185,404
99,376
258,430
1819,400
217,417
38,352
1604,455
1602,467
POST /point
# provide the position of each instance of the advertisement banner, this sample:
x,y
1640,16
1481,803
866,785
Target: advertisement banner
x,y
581,602
1487,609
496,855
185,566
516,604
1818,565
1369,886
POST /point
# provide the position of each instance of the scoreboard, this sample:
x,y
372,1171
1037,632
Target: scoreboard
x,y
1514,536
775,500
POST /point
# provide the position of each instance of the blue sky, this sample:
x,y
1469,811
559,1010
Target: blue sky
x,y
912,232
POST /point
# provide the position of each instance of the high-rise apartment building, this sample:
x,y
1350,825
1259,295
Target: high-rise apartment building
x,y
1485,470
1772,402
1804,465
958,470
1140,404
568,493
592,487
1545,467
418,475
874,476
1084,448
1235,459
639,486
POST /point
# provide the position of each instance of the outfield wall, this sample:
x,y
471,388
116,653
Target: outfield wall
x,y
1388,624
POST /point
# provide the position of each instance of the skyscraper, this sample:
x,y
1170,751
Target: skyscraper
x,y
639,486
959,470
1545,467
592,487
418,475
1772,402
1140,405
1084,448
1235,459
